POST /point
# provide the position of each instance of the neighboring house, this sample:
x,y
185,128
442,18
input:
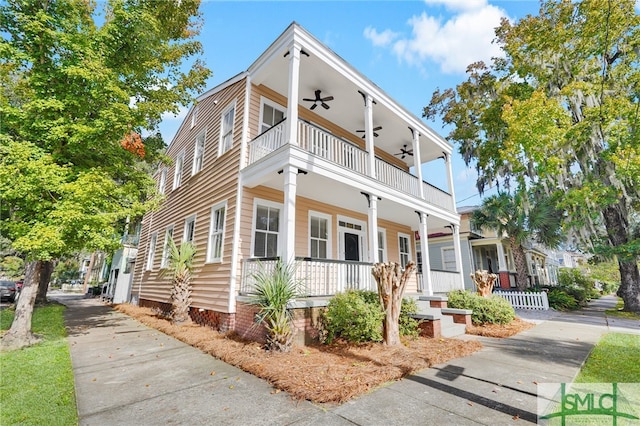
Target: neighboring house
x,y
324,179
119,284
485,249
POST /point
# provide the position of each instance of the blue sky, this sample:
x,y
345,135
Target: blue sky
x,y
408,48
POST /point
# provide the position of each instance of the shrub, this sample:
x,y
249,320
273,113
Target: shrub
x,y
581,287
560,300
357,316
486,310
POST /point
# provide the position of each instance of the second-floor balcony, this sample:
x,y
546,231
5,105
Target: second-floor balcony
x,y
338,151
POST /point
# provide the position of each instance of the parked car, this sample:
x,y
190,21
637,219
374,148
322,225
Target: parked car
x,y
8,291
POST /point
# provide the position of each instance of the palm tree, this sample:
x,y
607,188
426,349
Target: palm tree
x,y
274,290
180,262
521,217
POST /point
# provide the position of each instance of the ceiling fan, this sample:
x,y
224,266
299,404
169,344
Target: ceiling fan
x,y
375,129
319,99
404,152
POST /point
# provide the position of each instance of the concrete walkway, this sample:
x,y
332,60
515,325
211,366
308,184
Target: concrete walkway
x,y
129,374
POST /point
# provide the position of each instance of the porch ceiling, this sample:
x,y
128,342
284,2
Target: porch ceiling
x,y
324,70
329,191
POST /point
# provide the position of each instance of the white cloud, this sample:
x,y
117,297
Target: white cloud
x,y
453,43
382,39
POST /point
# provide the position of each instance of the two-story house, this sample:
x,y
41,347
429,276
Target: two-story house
x,y
302,158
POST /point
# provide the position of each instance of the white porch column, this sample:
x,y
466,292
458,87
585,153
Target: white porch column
x,y
373,227
292,95
415,146
457,249
426,262
502,265
368,134
289,214
447,163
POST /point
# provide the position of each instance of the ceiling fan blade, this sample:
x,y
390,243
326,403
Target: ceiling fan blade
x,y
360,131
318,94
328,98
375,134
325,106
375,129
313,107
308,100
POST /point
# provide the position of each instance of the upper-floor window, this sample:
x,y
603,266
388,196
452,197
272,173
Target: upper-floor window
x,y
168,236
198,153
272,114
226,129
163,181
319,233
266,229
189,229
177,175
405,249
152,250
194,116
216,233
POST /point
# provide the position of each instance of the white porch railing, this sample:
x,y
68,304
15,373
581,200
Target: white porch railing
x,y
523,300
445,281
336,150
319,277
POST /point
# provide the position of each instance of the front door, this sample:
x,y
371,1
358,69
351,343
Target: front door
x,y
351,246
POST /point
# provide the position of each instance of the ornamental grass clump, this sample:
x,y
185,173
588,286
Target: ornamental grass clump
x,y
273,291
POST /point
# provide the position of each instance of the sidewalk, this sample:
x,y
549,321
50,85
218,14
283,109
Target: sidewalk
x,y
129,374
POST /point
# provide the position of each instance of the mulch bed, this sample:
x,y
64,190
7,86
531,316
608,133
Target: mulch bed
x,y
320,373
500,331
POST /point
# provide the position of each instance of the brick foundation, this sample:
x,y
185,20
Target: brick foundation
x,y
504,280
220,321
430,329
462,319
438,304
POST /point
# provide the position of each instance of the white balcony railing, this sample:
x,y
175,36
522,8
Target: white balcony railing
x,y
336,150
318,277
445,281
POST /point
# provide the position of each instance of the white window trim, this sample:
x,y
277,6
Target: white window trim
x,y
165,247
410,255
444,266
383,231
266,203
202,134
194,116
215,208
231,106
329,219
162,185
188,219
362,232
266,101
153,242
177,173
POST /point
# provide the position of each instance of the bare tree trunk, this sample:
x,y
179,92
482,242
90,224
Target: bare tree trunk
x,y
20,335
391,282
520,259
484,282
43,282
87,276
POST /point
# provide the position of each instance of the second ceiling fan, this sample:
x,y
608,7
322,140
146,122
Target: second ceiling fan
x,y
319,100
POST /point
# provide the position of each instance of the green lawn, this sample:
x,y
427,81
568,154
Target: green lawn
x,y
616,358
617,312
36,383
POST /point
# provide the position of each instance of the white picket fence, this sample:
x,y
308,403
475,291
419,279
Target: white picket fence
x,y
522,300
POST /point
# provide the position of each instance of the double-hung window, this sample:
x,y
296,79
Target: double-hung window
x,y
405,249
226,129
177,175
382,246
198,153
189,229
163,181
319,236
271,115
449,259
267,227
168,236
216,233
152,250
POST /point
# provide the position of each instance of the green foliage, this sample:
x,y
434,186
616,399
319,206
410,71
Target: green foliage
x,y
274,289
12,267
486,310
179,265
613,359
43,369
577,284
561,300
66,270
357,315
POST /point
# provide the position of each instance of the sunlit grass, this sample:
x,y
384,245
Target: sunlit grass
x,y
616,358
36,383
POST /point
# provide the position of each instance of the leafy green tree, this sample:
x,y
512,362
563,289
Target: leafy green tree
x,y
79,87
511,215
559,113
12,267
